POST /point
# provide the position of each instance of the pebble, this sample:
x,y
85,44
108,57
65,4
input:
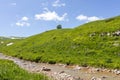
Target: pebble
x,y
77,68
61,72
94,78
118,72
104,77
45,69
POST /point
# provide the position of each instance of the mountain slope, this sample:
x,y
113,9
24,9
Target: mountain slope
x,y
92,44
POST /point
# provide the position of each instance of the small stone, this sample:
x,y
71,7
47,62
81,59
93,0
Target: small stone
x,y
109,71
97,70
93,78
77,68
104,77
118,72
61,72
45,69
115,70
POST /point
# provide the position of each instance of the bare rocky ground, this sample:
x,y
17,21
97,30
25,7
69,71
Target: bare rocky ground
x,y
63,72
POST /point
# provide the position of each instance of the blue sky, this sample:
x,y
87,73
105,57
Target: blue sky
x,y
30,17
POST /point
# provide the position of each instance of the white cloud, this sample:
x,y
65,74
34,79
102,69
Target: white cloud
x,y
58,4
81,17
25,18
50,16
87,18
93,18
23,22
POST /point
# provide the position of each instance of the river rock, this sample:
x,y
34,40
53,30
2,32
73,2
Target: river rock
x,y
98,69
103,77
61,72
94,78
77,68
117,72
45,69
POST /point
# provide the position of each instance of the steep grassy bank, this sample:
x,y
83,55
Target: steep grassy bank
x,y
10,71
92,44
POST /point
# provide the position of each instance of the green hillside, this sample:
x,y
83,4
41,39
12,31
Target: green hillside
x,y
92,44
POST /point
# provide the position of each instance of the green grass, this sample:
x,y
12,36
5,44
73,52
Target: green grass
x,y
10,71
73,46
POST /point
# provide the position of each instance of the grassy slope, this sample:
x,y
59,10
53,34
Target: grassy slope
x,y
73,46
10,71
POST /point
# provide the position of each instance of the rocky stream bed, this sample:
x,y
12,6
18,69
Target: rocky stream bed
x,y
64,72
